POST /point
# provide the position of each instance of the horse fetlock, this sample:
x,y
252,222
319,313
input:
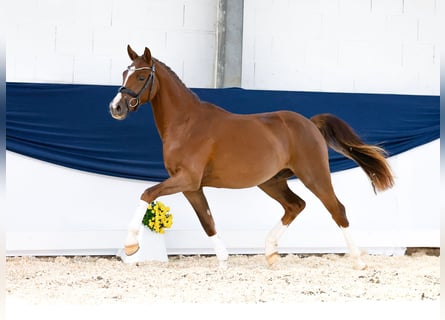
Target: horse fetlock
x,y
132,237
271,246
221,253
220,248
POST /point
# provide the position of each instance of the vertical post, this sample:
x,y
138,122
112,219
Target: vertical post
x,y
220,42
229,38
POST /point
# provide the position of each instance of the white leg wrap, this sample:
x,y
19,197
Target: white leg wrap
x,y
273,236
353,250
220,248
136,223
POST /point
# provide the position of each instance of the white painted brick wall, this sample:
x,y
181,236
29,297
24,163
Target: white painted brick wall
x,y
316,45
376,46
84,41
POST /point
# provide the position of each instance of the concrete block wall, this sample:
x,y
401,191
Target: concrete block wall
x,y
83,41
374,46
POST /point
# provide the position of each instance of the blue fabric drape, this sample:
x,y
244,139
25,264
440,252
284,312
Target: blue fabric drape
x,y
70,125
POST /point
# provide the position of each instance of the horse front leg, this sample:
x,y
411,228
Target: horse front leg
x,y
172,185
199,203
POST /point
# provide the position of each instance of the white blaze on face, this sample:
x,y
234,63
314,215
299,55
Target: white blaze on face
x,y
130,71
116,99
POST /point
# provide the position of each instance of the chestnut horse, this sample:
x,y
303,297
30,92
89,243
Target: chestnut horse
x,y
205,145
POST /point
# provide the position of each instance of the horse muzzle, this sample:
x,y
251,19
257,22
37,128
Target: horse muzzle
x,y
118,108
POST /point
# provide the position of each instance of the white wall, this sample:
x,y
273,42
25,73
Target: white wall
x,y
381,46
56,210
84,41
315,45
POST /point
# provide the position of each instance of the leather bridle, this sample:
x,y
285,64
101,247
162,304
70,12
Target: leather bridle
x,y
134,102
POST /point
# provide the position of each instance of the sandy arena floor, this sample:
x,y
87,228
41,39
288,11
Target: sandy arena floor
x,y
197,279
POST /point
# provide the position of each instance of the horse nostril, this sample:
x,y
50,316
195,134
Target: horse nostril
x,y
118,108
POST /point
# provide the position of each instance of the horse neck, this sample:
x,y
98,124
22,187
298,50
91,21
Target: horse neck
x,y
174,104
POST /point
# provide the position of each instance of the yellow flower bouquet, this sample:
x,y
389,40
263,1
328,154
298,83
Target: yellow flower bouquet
x,y
157,217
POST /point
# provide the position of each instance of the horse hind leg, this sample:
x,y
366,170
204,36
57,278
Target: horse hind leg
x,y
292,204
355,252
325,193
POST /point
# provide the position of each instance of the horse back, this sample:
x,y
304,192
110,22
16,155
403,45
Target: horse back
x,y
250,149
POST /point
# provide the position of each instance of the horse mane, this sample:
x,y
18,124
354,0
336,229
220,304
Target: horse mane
x,y
175,76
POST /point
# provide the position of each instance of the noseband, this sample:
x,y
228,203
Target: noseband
x,y
134,101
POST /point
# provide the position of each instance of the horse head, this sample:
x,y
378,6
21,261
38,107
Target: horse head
x,y
138,85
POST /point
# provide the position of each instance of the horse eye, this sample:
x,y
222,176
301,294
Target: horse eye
x,y
141,78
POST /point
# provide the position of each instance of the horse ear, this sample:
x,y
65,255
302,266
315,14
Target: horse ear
x,y
147,55
133,55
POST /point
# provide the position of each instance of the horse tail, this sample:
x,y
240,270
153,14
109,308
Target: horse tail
x,y
342,138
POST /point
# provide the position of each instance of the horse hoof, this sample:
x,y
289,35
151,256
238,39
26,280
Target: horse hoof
x,y
360,265
272,258
131,249
222,265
